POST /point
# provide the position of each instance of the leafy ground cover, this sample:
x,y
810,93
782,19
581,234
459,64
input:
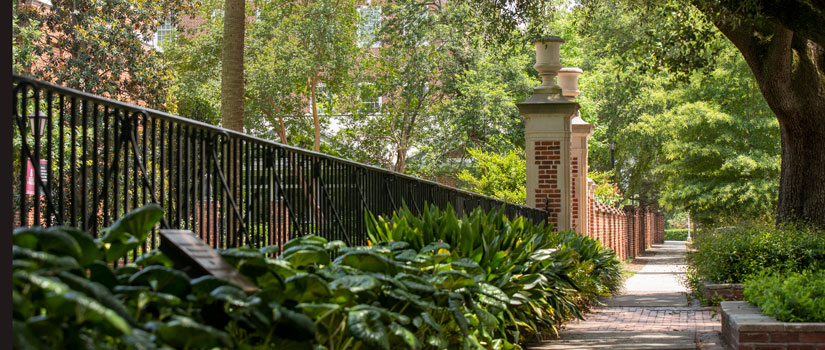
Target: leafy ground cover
x,y
764,257
481,282
789,296
676,234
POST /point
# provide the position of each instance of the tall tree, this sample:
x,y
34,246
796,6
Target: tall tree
x,y
101,47
232,65
303,57
783,43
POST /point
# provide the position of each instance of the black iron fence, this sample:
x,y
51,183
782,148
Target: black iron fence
x,y
84,160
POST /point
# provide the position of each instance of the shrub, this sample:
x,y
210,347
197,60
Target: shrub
x,y
789,296
730,255
547,275
676,234
481,282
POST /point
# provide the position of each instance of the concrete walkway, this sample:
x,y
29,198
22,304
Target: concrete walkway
x,y
651,313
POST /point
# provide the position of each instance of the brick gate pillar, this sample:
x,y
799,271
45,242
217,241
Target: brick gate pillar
x,y
547,114
580,132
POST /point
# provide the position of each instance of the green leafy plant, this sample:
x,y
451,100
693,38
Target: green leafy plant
x,y
676,234
789,296
67,295
731,254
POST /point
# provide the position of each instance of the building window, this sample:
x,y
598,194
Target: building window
x,y
369,98
164,36
368,26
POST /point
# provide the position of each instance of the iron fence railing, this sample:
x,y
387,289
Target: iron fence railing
x,y
99,158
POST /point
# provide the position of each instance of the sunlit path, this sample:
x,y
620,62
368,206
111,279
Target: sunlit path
x,y
652,313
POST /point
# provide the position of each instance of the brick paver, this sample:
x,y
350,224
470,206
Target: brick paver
x,y
651,313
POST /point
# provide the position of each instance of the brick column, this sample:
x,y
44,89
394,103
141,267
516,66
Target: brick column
x,y
547,129
581,131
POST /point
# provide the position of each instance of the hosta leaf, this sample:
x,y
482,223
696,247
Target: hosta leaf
x,y
184,332
204,285
366,325
45,259
398,245
430,321
303,255
493,291
415,283
136,223
437,342
335,246
153,257
234,256
405,335
452,280
86,308
467,265
89,249
366,260
124,273
435,247
161,299
280,267
306,240
270,249
305,287
316,311
162,279
487,319
230,294
293,325
355,284
98,292
51,241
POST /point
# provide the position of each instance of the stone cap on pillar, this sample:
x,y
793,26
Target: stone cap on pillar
x,y
581,127
548,96
569,82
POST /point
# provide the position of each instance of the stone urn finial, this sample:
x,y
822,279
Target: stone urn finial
x,y
569,82
548,59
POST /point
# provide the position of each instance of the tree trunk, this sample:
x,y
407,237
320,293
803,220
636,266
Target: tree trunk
x,y
789,71
232,73
314,105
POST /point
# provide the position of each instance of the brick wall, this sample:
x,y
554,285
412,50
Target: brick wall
x,y
628,231
548,161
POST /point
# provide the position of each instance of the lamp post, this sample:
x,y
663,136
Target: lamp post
x,y
33,121
37,122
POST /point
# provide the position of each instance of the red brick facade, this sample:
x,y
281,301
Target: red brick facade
x,y
628,231
548,193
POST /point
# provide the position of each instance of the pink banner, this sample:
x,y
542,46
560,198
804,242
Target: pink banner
x,y
30,175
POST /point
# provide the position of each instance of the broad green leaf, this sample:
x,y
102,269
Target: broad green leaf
x,y
45,259
435,247
305,287
231,295
136,223
183,332
405,335
97,292
366,325
204,285
366,260
162,279
89,249
355,283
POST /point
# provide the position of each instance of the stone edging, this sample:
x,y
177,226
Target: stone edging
x,y
723,291
744,327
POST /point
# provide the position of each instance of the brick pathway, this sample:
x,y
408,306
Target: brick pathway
x,y
651,313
